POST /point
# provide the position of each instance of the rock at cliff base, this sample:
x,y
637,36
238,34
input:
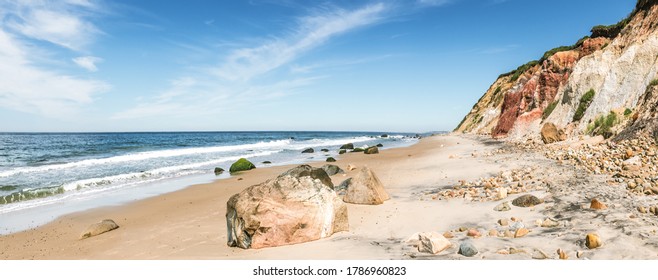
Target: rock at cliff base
x,y
332,170
365,188
371,150
241,165
99,228
219,170
551,134
432,242
289,209
347,146
526,200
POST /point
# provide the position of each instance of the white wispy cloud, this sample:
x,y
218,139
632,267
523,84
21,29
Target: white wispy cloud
x,y
61,23
233,84
312,31
433,2
87,62
31,89
27,85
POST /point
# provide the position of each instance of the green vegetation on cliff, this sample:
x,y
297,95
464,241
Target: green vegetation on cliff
x,y
585,101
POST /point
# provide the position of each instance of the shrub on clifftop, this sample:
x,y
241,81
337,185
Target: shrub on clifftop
x,y
241,165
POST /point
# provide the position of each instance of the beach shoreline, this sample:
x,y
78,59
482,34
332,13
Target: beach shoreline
x,y
190,223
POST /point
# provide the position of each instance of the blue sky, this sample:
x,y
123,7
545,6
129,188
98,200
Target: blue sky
x,y
411,66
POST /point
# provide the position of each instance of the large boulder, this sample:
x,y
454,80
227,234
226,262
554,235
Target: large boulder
x,y
289,209
332,170
241,165
306,170
365,188
99,228
551,134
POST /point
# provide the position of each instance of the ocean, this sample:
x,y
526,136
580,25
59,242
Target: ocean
x,y
46,175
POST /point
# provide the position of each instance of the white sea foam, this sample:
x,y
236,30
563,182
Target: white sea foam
x,y
146,156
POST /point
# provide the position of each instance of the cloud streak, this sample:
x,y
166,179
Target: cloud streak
x,y
312,31
88,62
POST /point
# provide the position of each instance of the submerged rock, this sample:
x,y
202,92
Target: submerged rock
x,y
99,228
308,151
365,188
241,165
292,208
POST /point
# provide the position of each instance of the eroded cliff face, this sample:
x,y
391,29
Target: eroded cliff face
x,y
618,65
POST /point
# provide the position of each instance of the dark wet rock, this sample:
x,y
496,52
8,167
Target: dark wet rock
x,y
219,170
308,151
330,159
347,146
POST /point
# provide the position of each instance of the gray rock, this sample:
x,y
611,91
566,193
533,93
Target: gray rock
x,y
332,170
516,225
467,249
503,207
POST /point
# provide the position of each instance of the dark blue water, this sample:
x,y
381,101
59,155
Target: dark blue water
x,y
43,168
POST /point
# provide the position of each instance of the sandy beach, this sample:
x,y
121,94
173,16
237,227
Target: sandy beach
x,y
424,182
